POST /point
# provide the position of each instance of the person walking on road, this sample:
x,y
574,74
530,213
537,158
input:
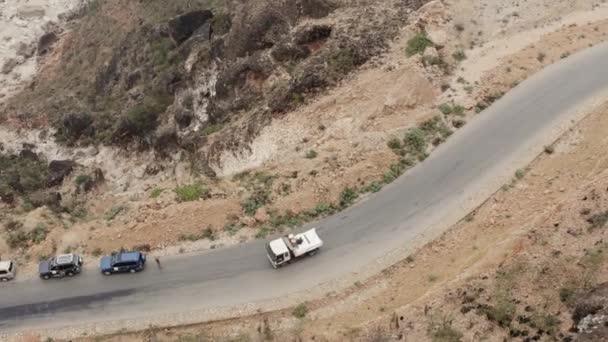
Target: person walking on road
x,y
157,259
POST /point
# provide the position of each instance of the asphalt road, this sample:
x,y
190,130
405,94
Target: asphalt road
x,y
473,159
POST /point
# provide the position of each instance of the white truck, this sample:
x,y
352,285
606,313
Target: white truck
x,y
7,270
287,248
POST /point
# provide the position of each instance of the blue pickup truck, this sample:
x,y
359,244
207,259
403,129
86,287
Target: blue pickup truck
x,y
122,262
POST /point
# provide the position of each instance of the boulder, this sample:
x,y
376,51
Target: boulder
x,y
58,170
261,215
46,42
183,26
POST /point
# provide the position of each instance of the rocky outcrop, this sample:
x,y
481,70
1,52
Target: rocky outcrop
x,y
46,42
183,26
58,170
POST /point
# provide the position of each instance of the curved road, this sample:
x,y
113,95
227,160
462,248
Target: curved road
x,y
456,177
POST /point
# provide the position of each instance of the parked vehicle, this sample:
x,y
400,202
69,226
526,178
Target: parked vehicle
x,y
290,247
122,262
60,266
7,270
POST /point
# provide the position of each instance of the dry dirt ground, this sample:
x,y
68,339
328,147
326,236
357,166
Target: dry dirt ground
x,y
533,244
348,129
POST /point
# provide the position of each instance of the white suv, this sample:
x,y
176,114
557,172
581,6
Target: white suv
x,y
7,270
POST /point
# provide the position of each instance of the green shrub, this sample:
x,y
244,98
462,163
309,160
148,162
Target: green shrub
x,y
156,192
323,209
459,55
598,220
394,143
160,51
374,187
82,179
342,61
191,192
17,239
567,292
259,198
311,154
415,141
440,330
232,228
210,129
445,108
519,174
114,211
209,234
300,310
143,119
458,110
263,232
38,234
417,44
348,197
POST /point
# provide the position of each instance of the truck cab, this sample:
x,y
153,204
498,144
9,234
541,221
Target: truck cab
x,y
289,247
7,270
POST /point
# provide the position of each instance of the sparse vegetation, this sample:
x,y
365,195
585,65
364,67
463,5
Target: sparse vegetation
x,y
82,179
191,192
259,198
440,329
417,44
459,56
348,197
445,108
213,128
549,149
300,311
114,211
519,174
156,192
311,154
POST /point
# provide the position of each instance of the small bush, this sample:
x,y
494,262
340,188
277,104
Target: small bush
x,y
97,252
259,198
17,239
114,211
82,179
541,57
263,232
210,129
342,61
348,197
394,144
300,311
191,192
38,234
440,330
459,55
323,209
417,44
209,234
232,228
141,120
156,192
566,293
415,141
458,110
519,174
445,108
549,149
311,154
598,220
12,225
374,187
